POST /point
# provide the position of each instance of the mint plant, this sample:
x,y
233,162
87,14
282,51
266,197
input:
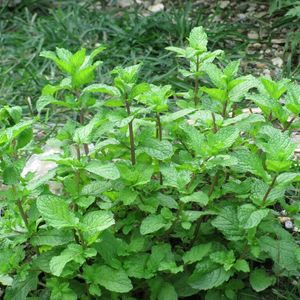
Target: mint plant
x,y
163,194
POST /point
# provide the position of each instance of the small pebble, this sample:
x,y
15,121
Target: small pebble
x,y
288,224
252,35
224,4
277,61
156,7
242,17
256,45
278,41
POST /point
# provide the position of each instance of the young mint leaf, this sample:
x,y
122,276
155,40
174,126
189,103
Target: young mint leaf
x,y
223,139
101,88
52,237
227,222
283,252
94,222
152,223
136,266
198,39
260,280
198,197
60,289
160,150
249,162
22,285
105,170
293,98
215,75
225,258
162,259
197,253
242,265
113,280
249,216
56,212
231,69
167,292
72,252
11,175
208,277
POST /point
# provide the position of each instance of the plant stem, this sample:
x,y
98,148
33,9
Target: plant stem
x,y
85,146
269,189
288,125
196,82
131,135
159,136
224,109
20,207
159,127
215,128
213,184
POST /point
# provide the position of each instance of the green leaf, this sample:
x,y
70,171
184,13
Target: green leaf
x,y
60,289
152,223
232,68
78,58
215,75
209,278
217,94
160,150
101,88
176,115
6,280
93,223
242,265
105,170
167,292
249,216
238,92
260,280
287,178
95,188
198,197
293,98
114,280
45,100
225,258
278,147
197,253
179,51
163,259
138,90
83,76
249,162
83,134
136,266
56,212
198,39
178,179
274,89
22,285
52,237
11,175
72,252
282,252
228,223
223,139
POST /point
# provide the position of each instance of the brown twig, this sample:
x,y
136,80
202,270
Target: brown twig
x,y
269,189
215,128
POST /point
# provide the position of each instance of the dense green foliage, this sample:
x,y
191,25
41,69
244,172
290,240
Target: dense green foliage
x,y
162,194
